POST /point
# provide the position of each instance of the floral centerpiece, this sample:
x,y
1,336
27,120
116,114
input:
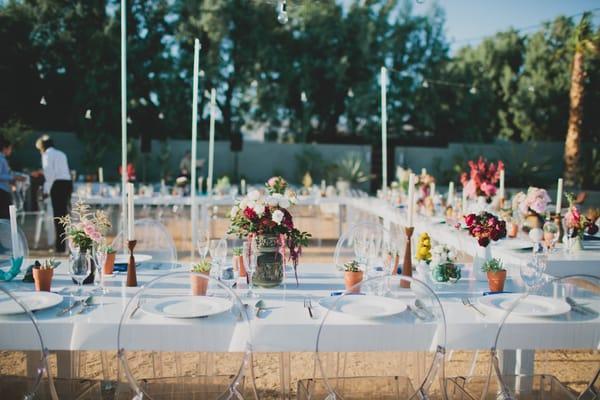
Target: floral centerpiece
x,y
85,231
485,227
267,218
531,206
423,248
482,179
442,262
577,224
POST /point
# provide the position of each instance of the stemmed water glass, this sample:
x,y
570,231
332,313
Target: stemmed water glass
x,y
101,254
532,272
250,254
218,254
202,243
80,264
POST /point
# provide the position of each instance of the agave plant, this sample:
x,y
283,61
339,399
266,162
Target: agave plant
x,y
351,169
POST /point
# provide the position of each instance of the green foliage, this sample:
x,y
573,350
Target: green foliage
x,y
202,267
351,169
492,265
352,266
15,131
238,251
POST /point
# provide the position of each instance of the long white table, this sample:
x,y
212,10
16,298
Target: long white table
x,y
288,328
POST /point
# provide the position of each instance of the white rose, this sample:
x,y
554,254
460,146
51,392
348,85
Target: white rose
x,y
277,216
272,201
254,195
259,209
451,255
243,204
284,202
234,211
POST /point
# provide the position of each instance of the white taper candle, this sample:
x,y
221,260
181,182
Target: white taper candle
x,y
194,209
559,194
130,212
502,194
411,199
450,200
211,141
384,129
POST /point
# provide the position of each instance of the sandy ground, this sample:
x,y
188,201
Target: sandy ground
x,y
574,368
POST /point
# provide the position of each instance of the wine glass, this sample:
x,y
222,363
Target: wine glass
x,y
551,234
218,254
101,255
80,264
202,243
249,254
532,272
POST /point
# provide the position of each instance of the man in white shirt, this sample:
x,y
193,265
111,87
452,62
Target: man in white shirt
x,y
58,185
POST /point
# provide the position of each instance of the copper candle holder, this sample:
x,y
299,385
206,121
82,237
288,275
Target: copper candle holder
x,y
407,264
558,221
131,274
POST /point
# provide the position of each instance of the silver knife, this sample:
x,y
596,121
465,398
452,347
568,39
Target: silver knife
x,y
421,306
578,307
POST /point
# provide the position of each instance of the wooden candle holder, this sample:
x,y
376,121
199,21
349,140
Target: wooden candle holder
x,y
407,264
131,273
561,231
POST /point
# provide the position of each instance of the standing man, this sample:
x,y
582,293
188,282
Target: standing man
x,y
6,178
58,186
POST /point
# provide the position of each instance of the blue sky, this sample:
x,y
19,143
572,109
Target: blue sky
x,y
467,19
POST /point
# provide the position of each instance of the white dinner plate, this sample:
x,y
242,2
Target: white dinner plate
x,y
364,306
531,306
139,258
186,306
33,300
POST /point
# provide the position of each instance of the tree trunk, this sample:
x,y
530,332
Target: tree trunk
x,y
573,140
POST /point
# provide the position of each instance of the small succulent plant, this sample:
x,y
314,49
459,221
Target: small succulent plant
x,y
238,251
352,266
492,265
49,263
203,266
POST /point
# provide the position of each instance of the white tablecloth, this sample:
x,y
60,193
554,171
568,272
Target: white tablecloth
x,y
289,327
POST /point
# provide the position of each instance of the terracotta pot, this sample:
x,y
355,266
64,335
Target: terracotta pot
x,y
351,279
199,284
496,280
513,230
238,265
42,279
109,264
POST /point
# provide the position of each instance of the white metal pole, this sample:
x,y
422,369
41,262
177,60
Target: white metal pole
x,y
384,129
124,120
194,208
211,142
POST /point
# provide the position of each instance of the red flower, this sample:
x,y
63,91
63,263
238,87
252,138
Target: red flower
x,y
470,219
250,214
592,229
483,241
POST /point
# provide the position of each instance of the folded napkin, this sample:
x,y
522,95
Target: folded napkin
x,y
120,267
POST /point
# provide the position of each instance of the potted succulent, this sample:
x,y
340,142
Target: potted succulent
x,y
199,283
43,273
443,267
238,261
352,275
496,274
109,264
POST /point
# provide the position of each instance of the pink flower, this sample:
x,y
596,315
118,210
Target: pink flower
x,y
488,189
470,189
272,181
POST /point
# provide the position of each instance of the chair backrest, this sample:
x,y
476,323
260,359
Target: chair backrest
x,y
6,248
189,312
360,240
400,324
573,300
15,304
153,239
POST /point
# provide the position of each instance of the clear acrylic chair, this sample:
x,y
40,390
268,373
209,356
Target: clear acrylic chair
x,y
359,240
6,248
579,296
395,351
153,239
43,385
212,320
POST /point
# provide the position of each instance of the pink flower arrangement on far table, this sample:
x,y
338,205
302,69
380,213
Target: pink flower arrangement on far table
x,y
482,178
578,223
536,200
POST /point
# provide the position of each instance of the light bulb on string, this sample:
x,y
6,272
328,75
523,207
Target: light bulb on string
x,y
129,121
531,89
43,101
201,73
161,115
473,90
88,114
254,83
282,16
350,93
425,84
303,97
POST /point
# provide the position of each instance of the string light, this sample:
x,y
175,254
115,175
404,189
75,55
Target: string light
x,y
201,73
425,84
43,101
350,93
88,114
282,16
129,121
161,115
473,90
254,84
531,89
303,97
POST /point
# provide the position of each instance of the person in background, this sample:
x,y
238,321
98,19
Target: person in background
x,y
58,186
7,177
130,172
185,165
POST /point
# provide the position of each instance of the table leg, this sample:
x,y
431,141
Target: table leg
x,y
67,364
285,375
508,360
32,359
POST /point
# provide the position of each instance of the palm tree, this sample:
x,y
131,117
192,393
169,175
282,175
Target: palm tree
x,y
584,43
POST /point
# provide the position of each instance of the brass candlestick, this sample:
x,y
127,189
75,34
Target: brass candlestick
x,y
407,264
561,231
131,274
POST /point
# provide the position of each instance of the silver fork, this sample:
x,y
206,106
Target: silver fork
x,y
467,302
137,307
308,305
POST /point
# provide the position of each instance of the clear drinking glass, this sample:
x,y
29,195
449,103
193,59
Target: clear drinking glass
x,y
533,271
80,264
100,261
218,254
551,234
249,254
202,243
